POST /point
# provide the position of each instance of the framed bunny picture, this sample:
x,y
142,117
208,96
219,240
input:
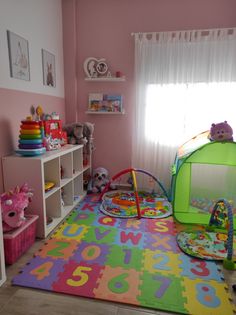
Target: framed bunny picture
x,y
49,71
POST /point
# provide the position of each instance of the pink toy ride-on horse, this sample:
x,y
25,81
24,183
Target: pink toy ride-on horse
x,y
13,204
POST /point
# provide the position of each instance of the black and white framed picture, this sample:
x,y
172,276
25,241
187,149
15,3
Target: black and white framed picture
x,y
18,56
49,71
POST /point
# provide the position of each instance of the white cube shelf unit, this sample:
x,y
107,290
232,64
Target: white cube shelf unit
x,y
64,167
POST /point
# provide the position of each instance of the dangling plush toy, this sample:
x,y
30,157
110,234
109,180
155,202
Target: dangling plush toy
x,y
221,132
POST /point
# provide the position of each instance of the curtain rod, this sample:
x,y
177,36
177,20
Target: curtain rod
x,y
194,30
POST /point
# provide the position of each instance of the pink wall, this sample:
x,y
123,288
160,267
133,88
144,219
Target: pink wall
x,y
103,29
15,106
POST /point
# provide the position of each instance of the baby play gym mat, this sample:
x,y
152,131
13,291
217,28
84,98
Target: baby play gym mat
x,y
123,204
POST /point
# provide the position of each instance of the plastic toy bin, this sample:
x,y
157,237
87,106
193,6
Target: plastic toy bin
x,y
17,241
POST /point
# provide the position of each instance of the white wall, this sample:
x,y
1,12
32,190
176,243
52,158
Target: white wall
x,y
40,22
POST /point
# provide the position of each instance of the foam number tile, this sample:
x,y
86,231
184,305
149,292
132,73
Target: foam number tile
x,y
77,279
58,249
162,292
125,257
92,253
119,285
71,231
40,273
159,261
207,297
197,268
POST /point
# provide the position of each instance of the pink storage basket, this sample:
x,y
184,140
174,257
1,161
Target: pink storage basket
x,y
17,242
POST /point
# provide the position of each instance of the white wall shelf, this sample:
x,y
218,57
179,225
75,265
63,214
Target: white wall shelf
x,y
106,79
36,170
104,113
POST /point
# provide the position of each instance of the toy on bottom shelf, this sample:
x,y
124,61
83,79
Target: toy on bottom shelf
x,y
213,243
128,204
13,204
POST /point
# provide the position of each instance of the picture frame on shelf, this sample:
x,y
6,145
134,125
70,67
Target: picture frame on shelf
x,y
18,49
49,68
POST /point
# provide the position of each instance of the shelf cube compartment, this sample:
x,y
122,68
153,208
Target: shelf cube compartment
x,y
78,161
67,194
53,205
52,171
66,170
78,186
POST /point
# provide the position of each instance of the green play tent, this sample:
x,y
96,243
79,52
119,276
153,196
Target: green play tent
x,y
203,172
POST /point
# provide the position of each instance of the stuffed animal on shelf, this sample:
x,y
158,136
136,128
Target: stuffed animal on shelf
x,y
13,204
75,133
221,132
100,178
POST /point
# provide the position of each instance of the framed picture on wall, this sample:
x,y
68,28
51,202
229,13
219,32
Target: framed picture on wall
x,y
18,56
49,71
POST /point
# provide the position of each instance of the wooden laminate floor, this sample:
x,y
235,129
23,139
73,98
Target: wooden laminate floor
x,y
16,300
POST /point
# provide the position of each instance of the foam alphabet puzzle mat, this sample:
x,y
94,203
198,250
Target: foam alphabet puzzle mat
x,y
129,261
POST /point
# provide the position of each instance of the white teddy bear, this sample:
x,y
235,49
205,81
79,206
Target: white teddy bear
x,y
99,180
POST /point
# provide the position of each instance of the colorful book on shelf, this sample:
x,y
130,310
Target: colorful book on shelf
x,y
99,102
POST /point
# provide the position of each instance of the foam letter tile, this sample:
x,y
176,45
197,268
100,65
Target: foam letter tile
x,y
101,235
163,226
39,273
158,241
132,224
119,285
207,298
71,232
130,238
78,279
162,292
106,221
81,217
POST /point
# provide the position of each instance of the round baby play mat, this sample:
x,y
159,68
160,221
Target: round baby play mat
x,y
123,204
203,244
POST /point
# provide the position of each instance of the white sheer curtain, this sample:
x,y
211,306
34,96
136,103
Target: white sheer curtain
x,y
185,81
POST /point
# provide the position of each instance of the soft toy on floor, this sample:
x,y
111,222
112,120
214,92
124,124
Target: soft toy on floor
x,y
99,180
221,132
13,204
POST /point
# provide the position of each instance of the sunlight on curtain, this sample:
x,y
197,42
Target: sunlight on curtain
x,y
194,107
185,81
